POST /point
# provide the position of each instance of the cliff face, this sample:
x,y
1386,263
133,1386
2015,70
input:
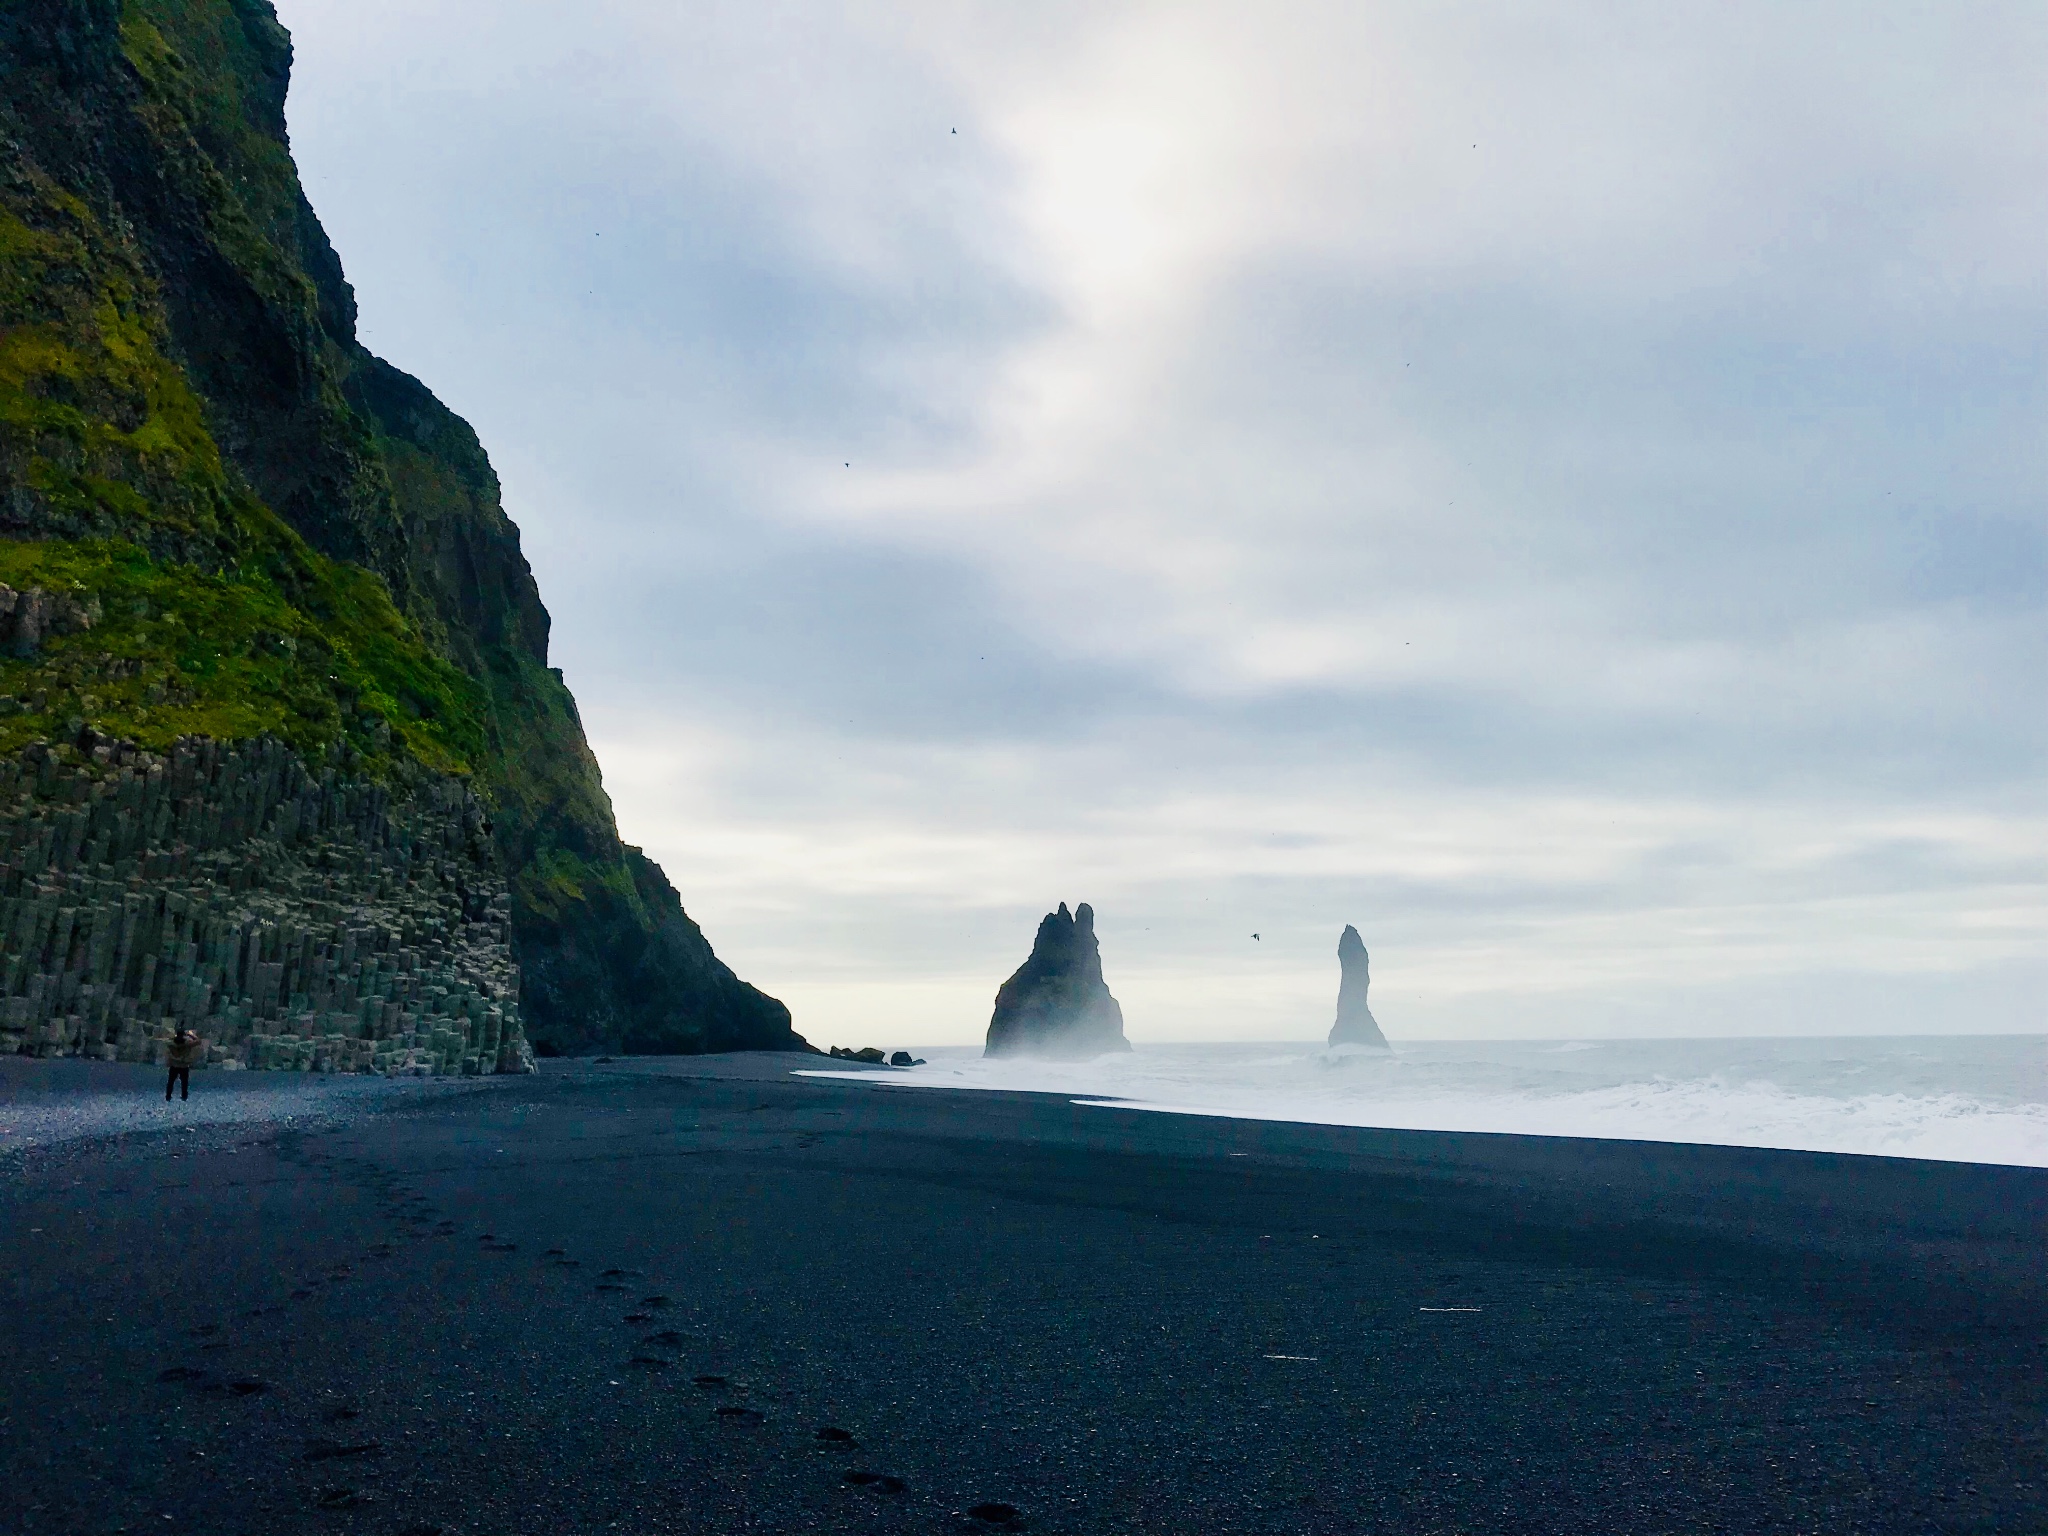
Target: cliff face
x,y
278,537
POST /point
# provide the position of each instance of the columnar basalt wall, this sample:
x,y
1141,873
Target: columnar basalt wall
x,y
296,917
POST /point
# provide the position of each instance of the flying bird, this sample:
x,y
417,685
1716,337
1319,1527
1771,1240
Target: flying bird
x,y
1255,936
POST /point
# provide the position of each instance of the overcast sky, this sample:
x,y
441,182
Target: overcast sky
x,y
1561,488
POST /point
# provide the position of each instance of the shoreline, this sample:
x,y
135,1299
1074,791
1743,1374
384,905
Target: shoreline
x,y
1899,1098
47,1102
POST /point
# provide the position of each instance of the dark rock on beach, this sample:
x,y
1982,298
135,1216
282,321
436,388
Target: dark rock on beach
x,y
1057,1003
1355,1024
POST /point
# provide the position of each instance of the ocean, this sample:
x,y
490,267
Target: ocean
x,y
1955,1098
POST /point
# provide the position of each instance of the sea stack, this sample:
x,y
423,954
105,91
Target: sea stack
x,y
1355,1024
1058,1004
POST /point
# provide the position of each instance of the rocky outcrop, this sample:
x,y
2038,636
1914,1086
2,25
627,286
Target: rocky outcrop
x,y
222,517
294,917
1057,1003
1355,1024
26,617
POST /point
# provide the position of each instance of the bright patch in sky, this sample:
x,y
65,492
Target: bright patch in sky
x,y
1561,489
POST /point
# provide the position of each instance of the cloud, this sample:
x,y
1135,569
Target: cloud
x,y
1560,489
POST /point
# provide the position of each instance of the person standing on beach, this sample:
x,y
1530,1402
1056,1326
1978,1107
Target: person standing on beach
x,y
186,1049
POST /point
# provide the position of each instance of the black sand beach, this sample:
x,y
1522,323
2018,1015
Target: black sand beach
x,y
632,1297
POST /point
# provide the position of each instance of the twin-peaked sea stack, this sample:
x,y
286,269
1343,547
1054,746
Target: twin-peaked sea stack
x,y
1057,1004
1355,1024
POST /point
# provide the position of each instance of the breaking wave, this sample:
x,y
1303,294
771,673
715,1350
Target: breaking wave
x,y
1976,1099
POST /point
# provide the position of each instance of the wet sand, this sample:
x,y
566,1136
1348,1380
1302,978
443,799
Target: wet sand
x,y
404,1308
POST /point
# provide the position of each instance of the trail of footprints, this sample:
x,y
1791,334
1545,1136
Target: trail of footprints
x,y
623,1282
396,1203
420,1213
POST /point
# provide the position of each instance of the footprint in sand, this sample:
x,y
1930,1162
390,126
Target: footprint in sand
x,y
732,1413
336,1450
874,1482
205,1381
668,1338
711,1383
831,1434
1004,1517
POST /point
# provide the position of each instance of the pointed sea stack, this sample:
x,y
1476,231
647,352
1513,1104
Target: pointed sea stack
x,y
1058,1004
1355,1024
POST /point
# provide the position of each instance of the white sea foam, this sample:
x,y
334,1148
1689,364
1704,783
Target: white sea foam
x,y
1955,1099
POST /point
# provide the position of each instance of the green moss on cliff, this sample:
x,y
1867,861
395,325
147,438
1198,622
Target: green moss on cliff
x,y
214,103
96,423
216,618
307,650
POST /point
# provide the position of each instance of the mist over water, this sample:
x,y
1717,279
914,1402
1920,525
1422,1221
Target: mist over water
x,y
1973,1098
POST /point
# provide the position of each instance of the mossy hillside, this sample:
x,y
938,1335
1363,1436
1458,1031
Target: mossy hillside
x,y
100,433
228,106
230,99
207,255
217,619
291,645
